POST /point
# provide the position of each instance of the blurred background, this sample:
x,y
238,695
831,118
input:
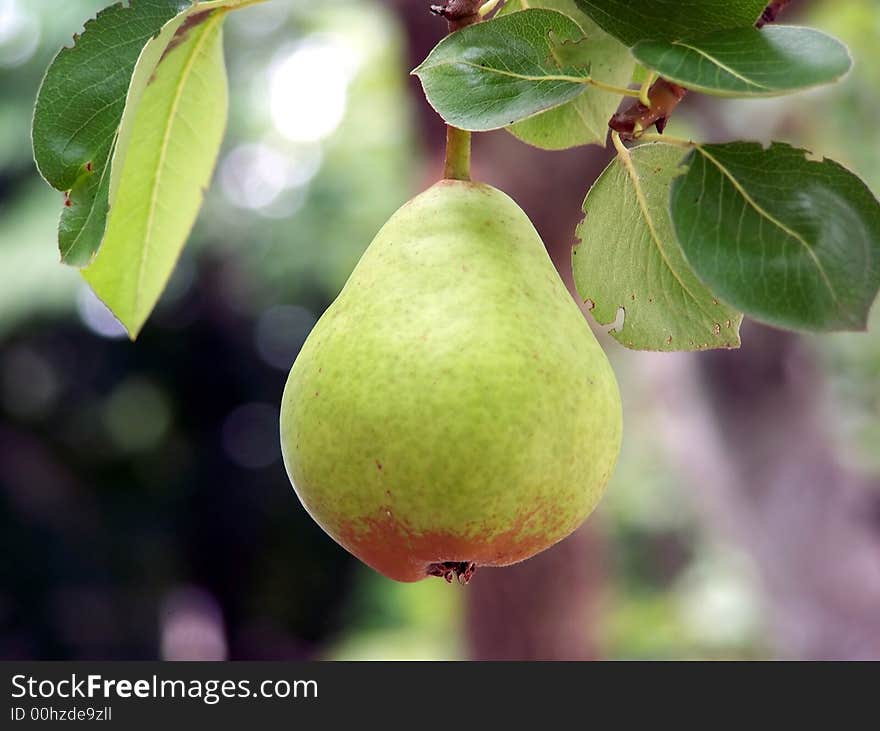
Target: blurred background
x,y
144,509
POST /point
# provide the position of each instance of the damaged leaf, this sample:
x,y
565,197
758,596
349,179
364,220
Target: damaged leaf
x,y
629,258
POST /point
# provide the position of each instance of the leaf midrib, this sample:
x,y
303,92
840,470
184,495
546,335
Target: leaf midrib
x,y
582,80
655,236
166,138
722,66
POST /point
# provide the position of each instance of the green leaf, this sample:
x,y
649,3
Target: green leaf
x,y
630,258
173,145
84,216
584,120
669,20
749,62
78,111
789,240
490,75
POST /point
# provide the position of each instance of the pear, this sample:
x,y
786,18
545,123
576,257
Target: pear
x,y
452,408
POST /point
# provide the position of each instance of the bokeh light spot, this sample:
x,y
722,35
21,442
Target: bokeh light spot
x,y
280,334
192,627
262,178
97,317
137,415
308,88
19,33
250,436
29,383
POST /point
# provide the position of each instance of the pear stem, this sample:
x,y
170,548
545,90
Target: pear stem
x,y
460,14
458,154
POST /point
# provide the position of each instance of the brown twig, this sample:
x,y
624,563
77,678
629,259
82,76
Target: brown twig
x,y
771,12
459,13
635,117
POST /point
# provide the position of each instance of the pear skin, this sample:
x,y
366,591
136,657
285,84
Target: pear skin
x,y
452,408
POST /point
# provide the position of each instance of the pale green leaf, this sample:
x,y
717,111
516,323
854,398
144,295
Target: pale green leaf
x,y
174,143
629,257
149,59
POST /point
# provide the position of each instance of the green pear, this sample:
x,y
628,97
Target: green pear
x,y
452,408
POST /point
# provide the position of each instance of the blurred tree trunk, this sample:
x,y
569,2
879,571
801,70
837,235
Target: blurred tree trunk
x,y
749,430
545,608
746,430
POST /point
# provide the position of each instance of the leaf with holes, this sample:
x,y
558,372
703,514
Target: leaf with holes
x,y
174,142
629,257
669,20
791,241
583,120
490,75
749,62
